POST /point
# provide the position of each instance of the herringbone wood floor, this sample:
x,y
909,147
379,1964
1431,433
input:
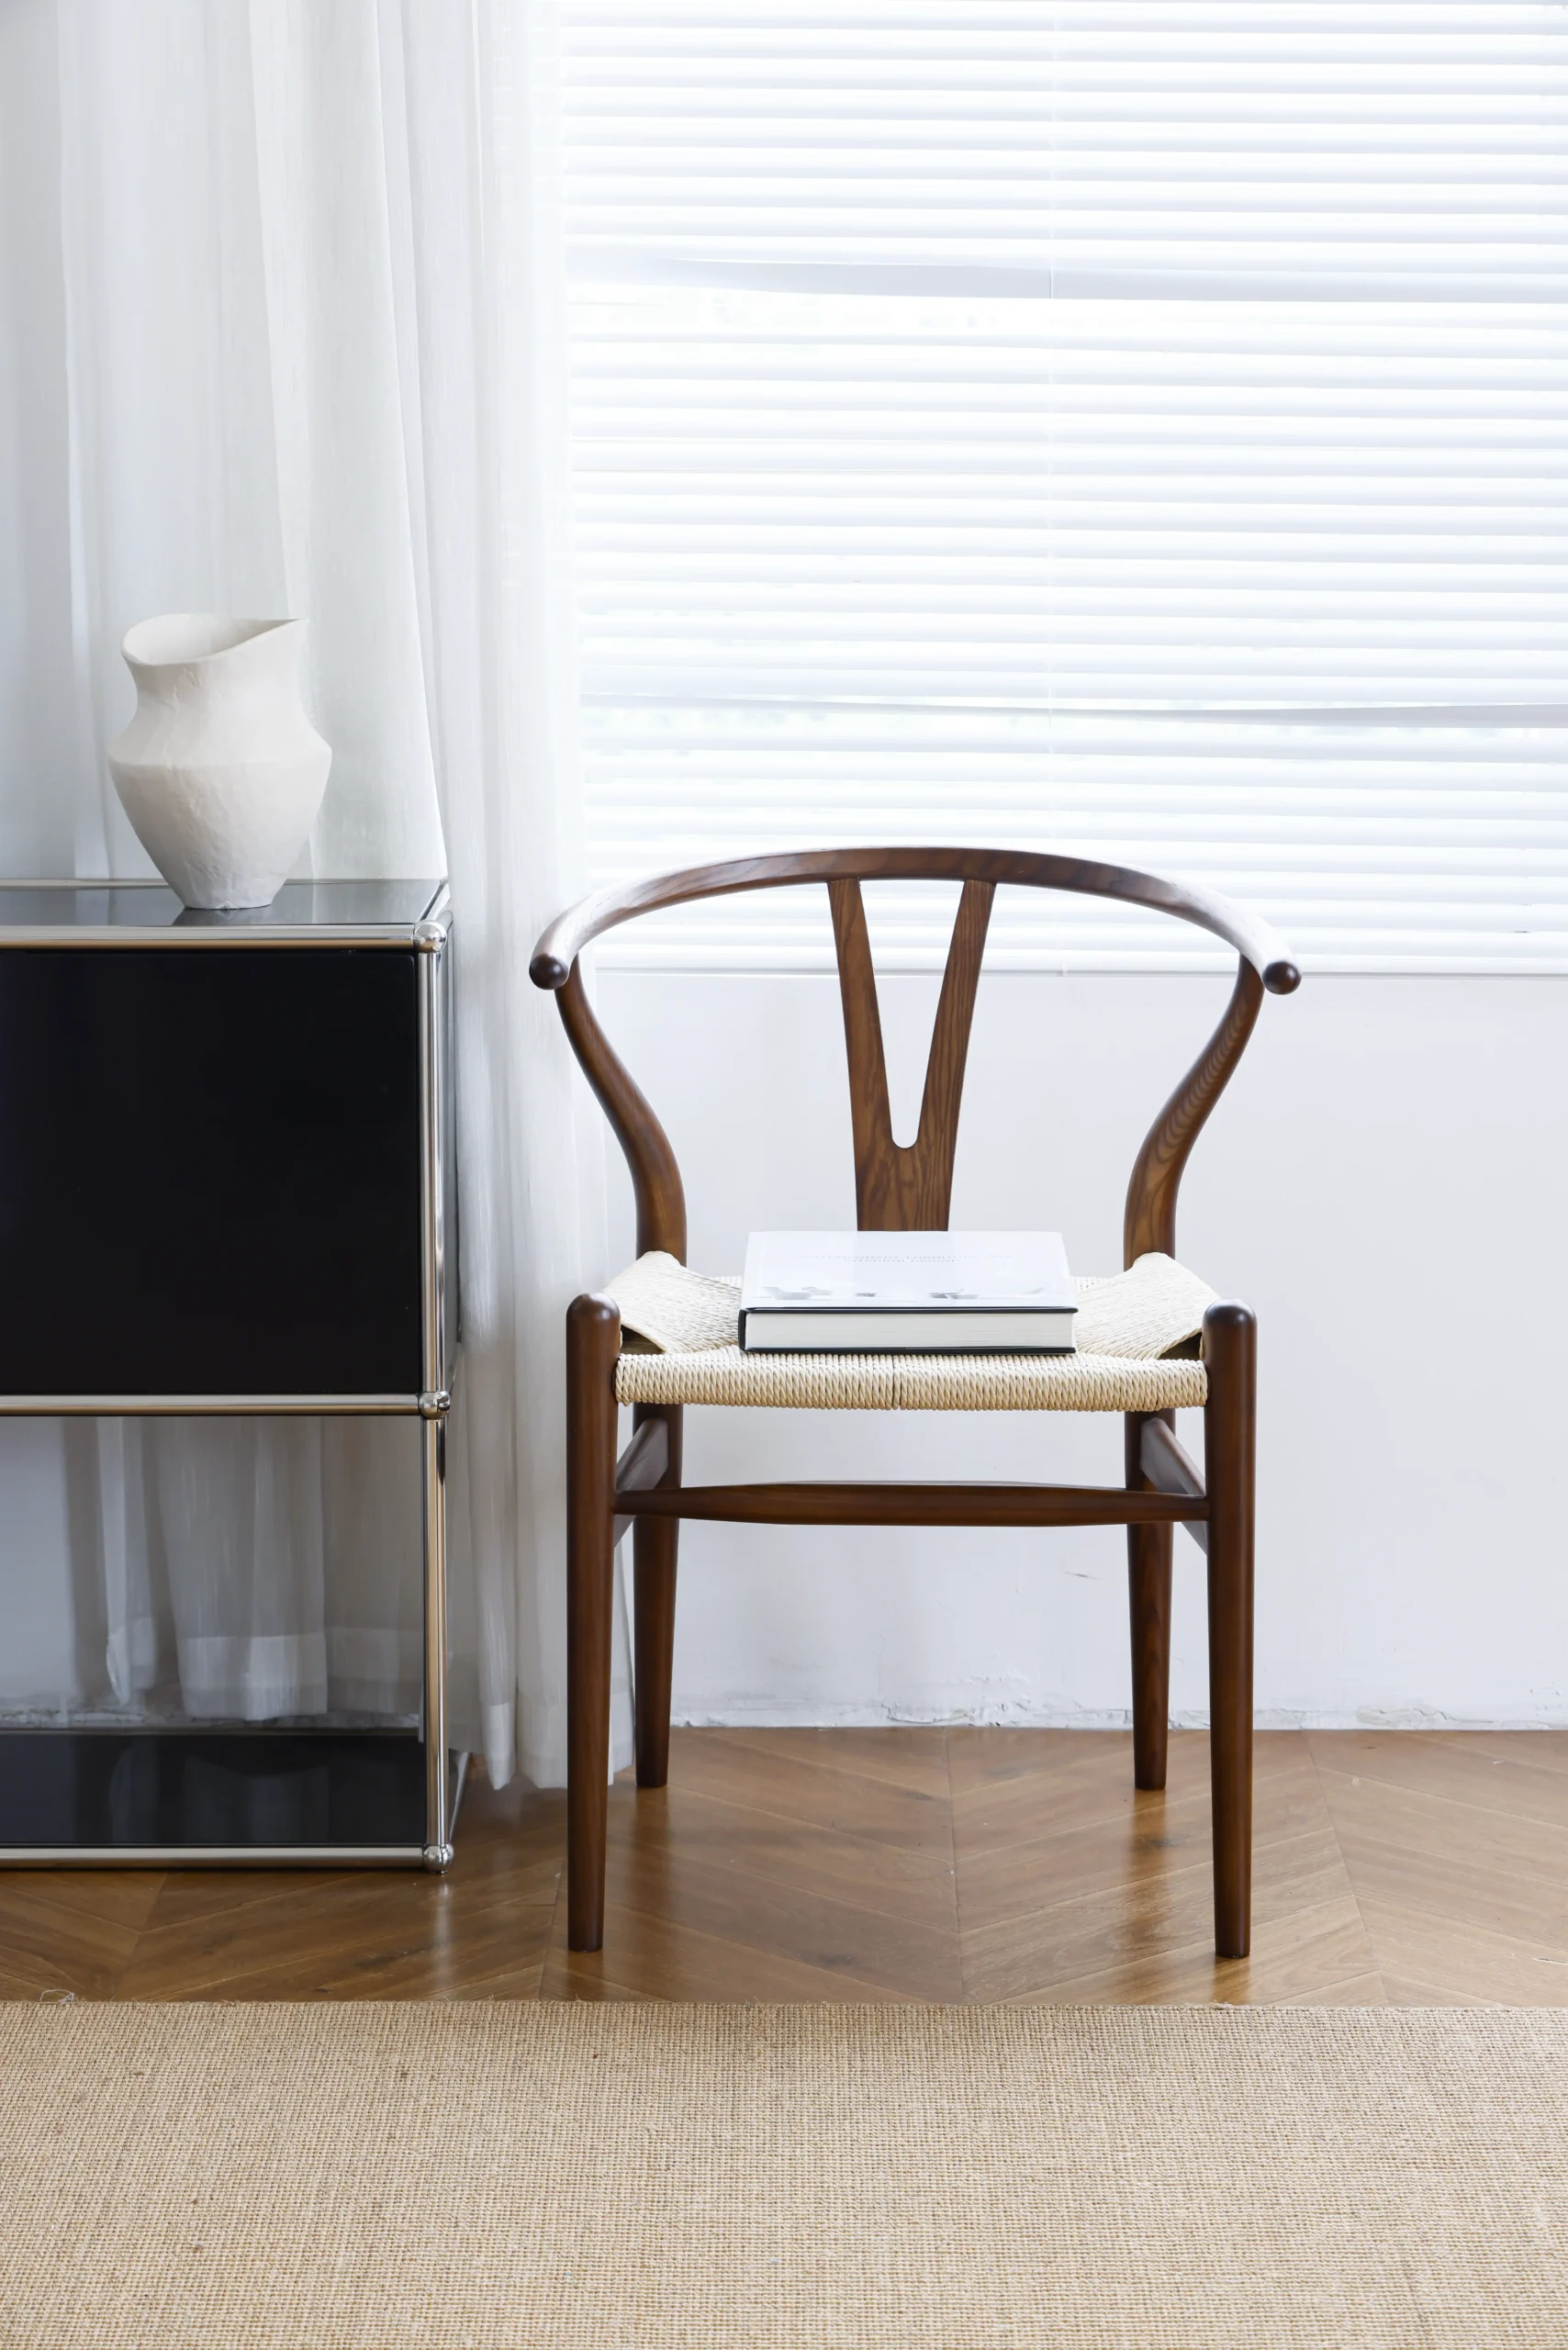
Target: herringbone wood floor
x,y
893,1864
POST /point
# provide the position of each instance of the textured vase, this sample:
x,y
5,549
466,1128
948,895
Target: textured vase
x,y
220,770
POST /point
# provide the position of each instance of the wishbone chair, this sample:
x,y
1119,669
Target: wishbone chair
x,y
907,1188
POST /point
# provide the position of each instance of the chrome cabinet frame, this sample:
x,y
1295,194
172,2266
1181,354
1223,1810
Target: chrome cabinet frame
x,y
429,937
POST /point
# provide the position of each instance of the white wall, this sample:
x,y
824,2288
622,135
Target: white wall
x,y
1383,1183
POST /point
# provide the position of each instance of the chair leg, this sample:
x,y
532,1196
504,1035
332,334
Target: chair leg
x,y
1230,1350
655,1541
1148,1597
593,1341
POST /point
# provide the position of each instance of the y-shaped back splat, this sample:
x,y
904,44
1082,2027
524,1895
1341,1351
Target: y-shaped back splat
x,y
910,1190
906,1187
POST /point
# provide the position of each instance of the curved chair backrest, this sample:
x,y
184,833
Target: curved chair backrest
x,y
902,1188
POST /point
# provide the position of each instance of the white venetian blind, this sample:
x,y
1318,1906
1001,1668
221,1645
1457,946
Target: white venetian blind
x,y
1139,428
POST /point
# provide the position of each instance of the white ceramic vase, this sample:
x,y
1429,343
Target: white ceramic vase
x,y
220,770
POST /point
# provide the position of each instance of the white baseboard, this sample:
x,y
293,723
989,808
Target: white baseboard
x,y
747,1714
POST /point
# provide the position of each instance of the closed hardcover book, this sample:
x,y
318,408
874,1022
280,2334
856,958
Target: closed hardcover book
x,y
907,1293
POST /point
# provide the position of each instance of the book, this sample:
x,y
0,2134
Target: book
x,y
907,1293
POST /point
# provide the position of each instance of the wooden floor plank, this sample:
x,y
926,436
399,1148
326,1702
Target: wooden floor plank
x,y
646,1957
729,1894
1541,1750
1001,1799
371,1933
1468,1964
1517,1787
912,1758
1406,1991
902,1881
1444,1861
1136,1838
1315,1957
119,1897
830,1794
1131,1931
493,1953
54,1939
290,1944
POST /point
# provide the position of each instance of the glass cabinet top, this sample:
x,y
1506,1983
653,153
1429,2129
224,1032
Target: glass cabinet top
x,y
114,913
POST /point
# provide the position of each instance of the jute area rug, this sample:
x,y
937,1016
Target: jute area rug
x,y
633,2177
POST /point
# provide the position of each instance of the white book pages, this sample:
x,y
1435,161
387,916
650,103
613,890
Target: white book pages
x,y
896,1272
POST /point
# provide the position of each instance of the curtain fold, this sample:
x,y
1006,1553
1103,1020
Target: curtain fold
x,y
486,429
296,273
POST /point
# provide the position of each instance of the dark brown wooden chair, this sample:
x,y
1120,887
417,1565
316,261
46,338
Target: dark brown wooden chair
x,y
904,1189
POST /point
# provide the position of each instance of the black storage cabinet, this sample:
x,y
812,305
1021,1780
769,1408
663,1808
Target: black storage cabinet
x,y
225,1187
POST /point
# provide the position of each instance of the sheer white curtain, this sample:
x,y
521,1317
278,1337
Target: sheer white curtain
x,y
282,331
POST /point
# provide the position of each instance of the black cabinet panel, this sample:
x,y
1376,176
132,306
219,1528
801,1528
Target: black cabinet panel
x,y
97,1790
210,1171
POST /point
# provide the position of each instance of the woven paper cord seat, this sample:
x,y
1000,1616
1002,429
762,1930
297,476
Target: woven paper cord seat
x,y
1126,1325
